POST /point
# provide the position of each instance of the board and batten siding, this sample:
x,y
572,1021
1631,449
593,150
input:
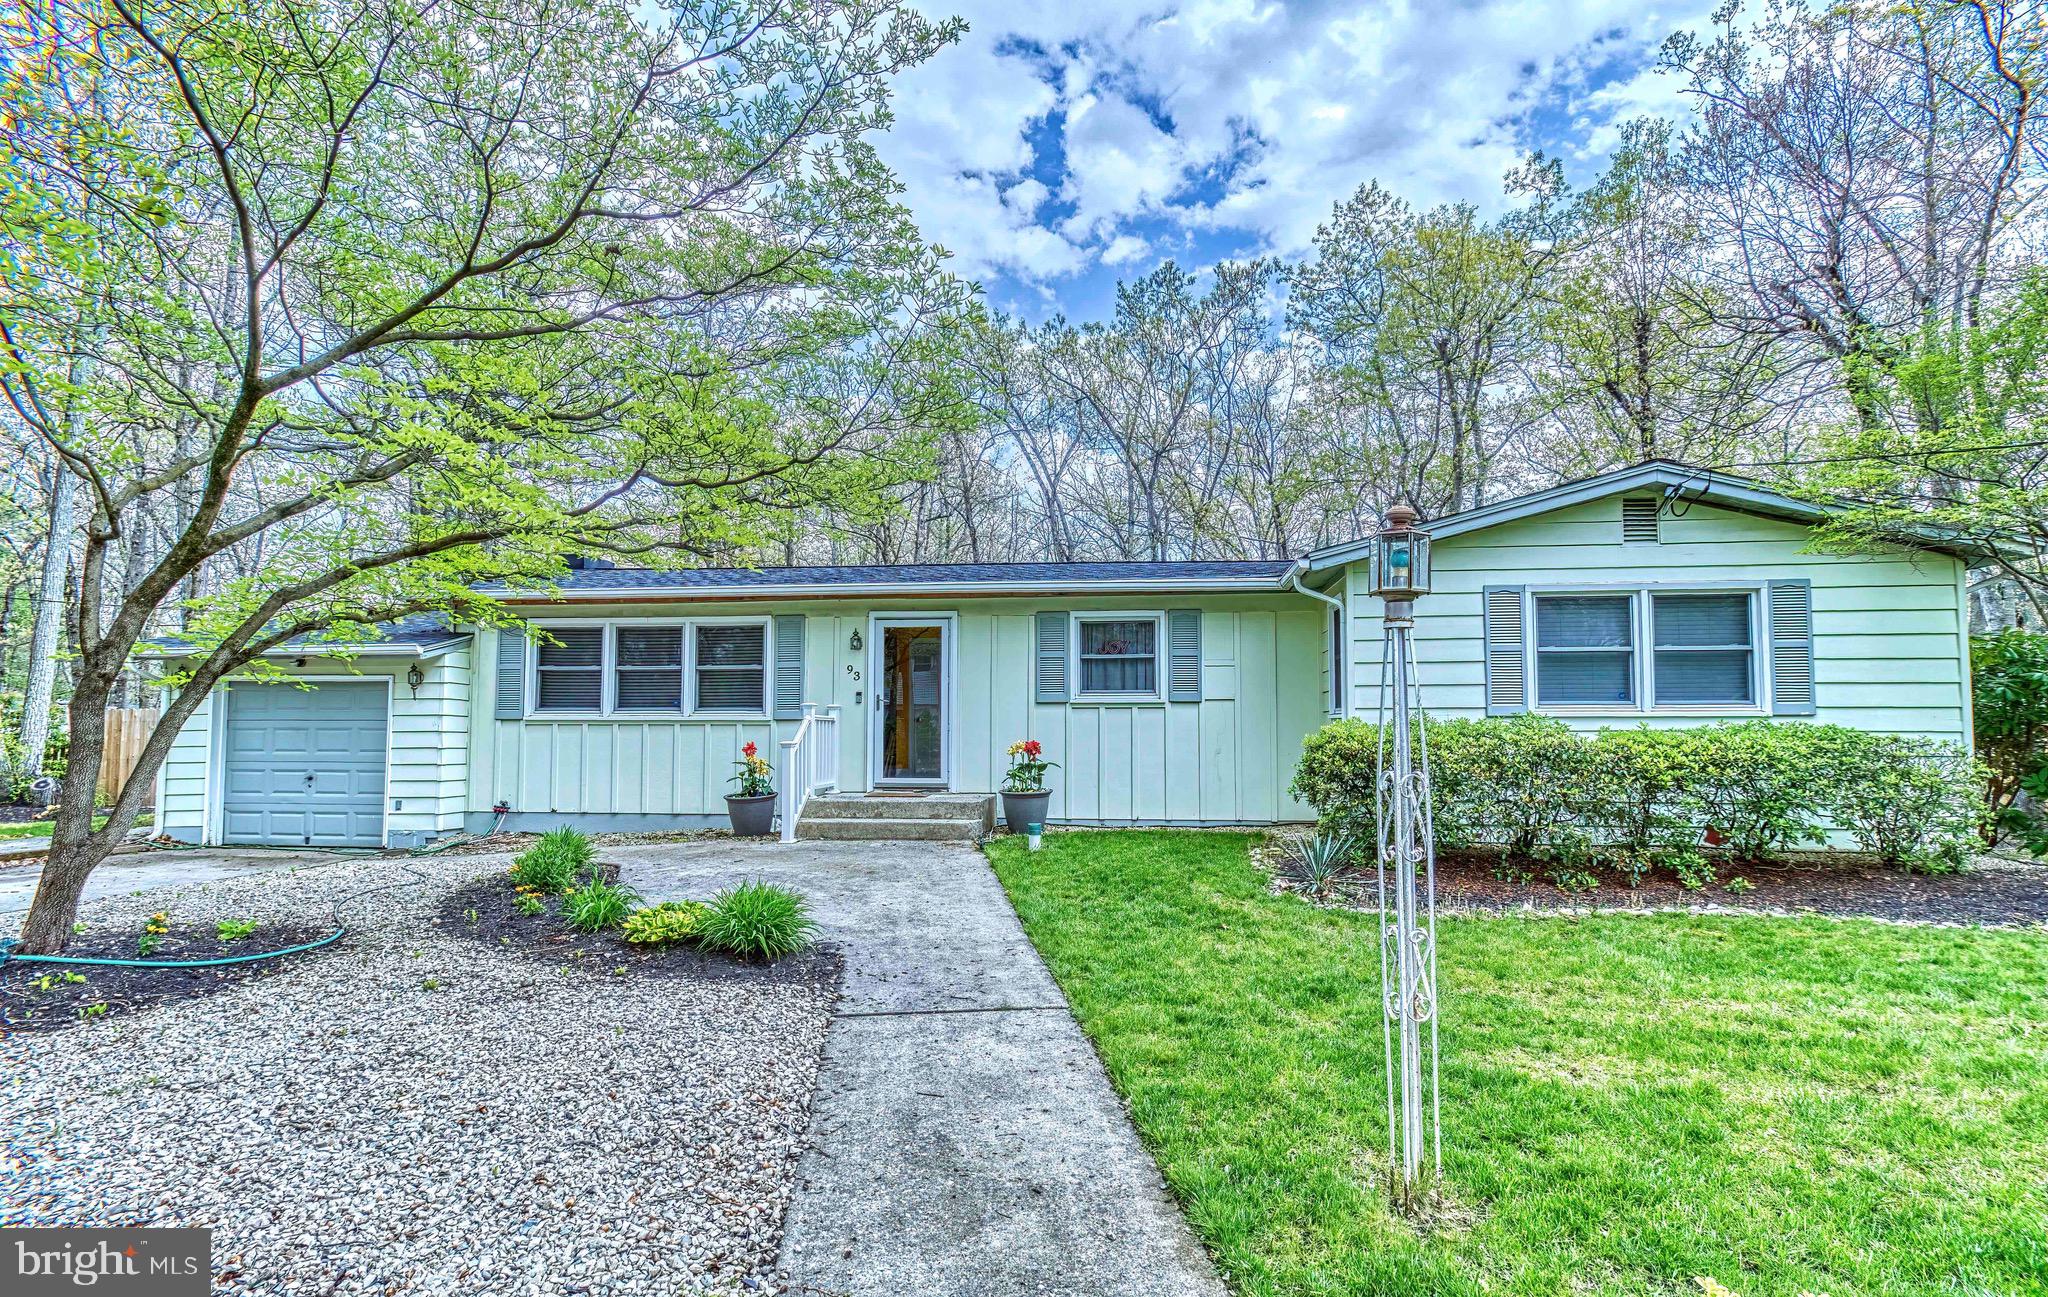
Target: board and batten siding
x,y
1890,631
426,781
1226,759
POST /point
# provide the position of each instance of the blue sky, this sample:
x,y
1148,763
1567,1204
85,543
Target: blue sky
x,y
1062,146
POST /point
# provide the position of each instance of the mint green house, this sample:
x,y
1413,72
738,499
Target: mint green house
x,y
1168,693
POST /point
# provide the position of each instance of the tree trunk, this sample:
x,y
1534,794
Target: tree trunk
x,y
48,631
75,850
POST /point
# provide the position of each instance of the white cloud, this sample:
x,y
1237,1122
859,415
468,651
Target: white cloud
x,y
1272,113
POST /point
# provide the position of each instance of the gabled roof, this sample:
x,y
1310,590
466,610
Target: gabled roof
x,y
426,635
1673,479
597,584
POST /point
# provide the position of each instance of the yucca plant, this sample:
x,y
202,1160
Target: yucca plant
x,y
757,921
1316,862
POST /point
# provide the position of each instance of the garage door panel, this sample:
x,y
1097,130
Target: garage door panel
x,y
305,766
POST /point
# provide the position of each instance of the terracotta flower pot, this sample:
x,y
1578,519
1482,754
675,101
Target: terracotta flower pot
x,y
752,817
1020,809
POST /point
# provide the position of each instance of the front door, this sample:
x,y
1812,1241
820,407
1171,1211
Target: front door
x,y
910,716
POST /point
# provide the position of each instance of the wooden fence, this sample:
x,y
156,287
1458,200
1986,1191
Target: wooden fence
x,y
128,728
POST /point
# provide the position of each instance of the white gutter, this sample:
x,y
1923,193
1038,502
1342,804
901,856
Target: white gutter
x,y
372,649
1294,579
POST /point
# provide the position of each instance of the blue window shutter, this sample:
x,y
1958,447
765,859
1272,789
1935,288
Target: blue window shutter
x,y
1184,655
789,666
1507,675
511,673
1791,618
1052,686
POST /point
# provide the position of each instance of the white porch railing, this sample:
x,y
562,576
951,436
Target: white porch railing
x,y
810,763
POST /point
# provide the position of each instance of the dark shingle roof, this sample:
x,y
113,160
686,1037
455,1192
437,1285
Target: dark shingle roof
x,y
426,632
584,580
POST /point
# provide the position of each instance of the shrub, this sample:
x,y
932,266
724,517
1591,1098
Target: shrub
x,y
553,864
667,922
598,905
756,921
1913,802
1339,765
1525,784
1558,802
1759,784
2010,697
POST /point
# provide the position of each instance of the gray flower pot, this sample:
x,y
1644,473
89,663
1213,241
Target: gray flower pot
x,y
1020,809
752,817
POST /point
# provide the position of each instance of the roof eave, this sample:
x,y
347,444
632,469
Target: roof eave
x,y
900,589
373,649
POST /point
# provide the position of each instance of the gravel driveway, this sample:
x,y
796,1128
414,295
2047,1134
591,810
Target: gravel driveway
x,y
515,1129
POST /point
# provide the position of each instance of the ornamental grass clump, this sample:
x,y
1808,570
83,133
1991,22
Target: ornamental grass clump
x,y
757,921
552,865
598,905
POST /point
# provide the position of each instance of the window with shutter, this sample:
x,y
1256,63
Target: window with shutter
x,y
569,670
648,664
1118,656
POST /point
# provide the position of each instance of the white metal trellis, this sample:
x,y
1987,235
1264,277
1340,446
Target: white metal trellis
x,y
1407,848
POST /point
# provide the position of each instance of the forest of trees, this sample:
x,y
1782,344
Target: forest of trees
x,y
1837,258
1830,274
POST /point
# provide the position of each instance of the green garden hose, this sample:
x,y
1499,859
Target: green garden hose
x,y
7,944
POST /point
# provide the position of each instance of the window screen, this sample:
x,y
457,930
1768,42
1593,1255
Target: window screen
x,y
1703,648
1585,649
732,668
649,666
569,671
1120,657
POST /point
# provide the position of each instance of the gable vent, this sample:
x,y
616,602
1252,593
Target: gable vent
x,y
1639,517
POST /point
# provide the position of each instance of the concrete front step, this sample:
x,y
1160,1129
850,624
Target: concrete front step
x,y
888,830
979,808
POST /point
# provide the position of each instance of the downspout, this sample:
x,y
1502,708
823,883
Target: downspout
x,y
1294,579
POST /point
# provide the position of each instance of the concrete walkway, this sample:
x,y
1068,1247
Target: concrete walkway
x,y
965,1140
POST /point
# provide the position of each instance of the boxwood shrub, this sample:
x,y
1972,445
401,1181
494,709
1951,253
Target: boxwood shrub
x,y
1545,796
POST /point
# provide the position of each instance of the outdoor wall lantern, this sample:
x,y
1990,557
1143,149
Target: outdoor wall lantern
x,y
854,643
415,677
1400,568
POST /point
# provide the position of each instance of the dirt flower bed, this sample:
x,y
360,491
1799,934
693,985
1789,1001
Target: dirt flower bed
x,y
1996,893
53,997
487,910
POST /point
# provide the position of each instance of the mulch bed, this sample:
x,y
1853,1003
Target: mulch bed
x,y
39,998
484,910
1836,884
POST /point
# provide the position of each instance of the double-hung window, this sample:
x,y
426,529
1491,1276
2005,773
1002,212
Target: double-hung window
x,y
731,668
1119,656
647,663
569,670
1585,650
1702,651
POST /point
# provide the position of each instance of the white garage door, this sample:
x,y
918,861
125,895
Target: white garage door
x,y
305,767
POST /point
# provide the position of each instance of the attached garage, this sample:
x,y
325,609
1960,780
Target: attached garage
x,y
305,766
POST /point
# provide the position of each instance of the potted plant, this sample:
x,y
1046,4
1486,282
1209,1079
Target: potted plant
x,y
752,808
1024,792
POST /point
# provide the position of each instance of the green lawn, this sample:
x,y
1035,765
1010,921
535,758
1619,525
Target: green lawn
x,y
1630,1101
41,828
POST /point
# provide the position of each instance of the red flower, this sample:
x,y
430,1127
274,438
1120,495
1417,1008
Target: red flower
x,y
1032,747
748,750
